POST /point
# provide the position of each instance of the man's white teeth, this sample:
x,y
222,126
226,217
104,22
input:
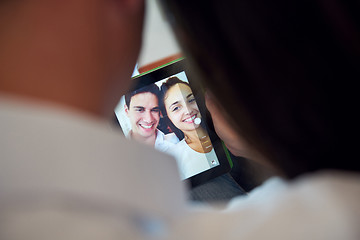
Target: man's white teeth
x,y
147,127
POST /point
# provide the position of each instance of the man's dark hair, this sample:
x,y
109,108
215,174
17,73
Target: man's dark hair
x,y
152,88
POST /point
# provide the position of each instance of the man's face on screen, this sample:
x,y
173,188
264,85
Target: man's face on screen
x,y
144,114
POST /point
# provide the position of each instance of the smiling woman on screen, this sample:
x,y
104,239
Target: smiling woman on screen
x,y
184,117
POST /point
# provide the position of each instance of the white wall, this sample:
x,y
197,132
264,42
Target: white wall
x,y
158,39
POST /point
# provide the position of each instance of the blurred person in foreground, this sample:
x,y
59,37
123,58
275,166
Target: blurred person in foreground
x,y
283,75
287,73
64,172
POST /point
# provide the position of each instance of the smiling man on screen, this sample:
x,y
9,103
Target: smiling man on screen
x,y
142,109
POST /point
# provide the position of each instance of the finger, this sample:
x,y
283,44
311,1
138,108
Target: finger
x,y
216,113
235,144
221,124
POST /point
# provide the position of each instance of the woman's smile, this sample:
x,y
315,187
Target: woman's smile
x,y
190,119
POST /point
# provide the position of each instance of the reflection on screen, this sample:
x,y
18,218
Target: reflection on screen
x,y
166,116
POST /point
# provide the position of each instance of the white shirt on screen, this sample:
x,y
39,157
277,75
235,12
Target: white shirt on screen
x,y
191,162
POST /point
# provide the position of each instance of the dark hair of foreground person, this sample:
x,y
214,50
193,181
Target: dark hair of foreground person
x,y
285,73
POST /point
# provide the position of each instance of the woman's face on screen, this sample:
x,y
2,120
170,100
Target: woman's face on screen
x,y
181,107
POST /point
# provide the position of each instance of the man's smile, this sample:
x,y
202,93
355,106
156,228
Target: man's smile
x,y
146,126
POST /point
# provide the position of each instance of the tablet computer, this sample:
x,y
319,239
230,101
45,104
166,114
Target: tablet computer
x,y
164,110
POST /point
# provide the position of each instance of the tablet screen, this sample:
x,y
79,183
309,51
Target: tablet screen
x,y
165,114
165,111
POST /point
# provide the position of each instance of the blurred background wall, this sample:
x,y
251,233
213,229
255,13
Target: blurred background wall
x,y
159,44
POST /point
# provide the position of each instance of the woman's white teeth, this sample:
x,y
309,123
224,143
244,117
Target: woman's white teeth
x,y
190,119
147,126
